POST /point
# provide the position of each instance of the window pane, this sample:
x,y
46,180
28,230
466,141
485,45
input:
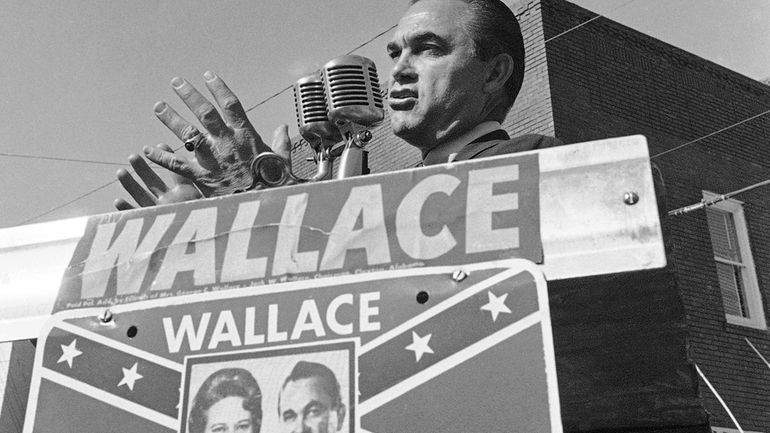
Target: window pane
x,y
732,289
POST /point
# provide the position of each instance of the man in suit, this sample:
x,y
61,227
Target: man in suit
x,y
458,66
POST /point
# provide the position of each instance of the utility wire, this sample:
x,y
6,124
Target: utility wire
x,y
271,97
712,201
69,202
57,207
588,21
278,93
56,158
372,39
711,134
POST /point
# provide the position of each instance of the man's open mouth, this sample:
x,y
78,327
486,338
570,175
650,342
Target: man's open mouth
x,y
402,99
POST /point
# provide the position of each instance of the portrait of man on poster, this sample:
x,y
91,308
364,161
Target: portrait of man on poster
x,y
310,400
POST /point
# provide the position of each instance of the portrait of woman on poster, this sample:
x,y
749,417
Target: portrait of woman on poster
x,y
228,401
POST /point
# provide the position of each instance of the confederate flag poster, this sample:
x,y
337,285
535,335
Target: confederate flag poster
x,y
445,348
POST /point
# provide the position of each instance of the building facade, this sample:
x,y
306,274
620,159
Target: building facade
x,y
630,347
707,135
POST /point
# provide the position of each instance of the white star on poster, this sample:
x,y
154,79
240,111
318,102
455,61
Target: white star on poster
x,y
130,376
419,345
496,305
69,353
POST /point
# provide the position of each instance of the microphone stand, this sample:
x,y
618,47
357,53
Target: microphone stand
x,y
323,148
353,157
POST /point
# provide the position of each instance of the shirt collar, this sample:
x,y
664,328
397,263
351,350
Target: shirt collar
x,y
453,146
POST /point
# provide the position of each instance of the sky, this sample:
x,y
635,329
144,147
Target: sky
x,y
79,78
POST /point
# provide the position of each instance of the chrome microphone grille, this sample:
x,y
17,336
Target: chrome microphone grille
x,y
353,90
310,103
309,100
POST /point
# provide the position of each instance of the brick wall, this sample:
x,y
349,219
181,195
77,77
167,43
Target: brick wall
x,y
607,80
531,113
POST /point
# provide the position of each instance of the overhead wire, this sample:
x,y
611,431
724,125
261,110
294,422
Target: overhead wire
x,y
704,203
86,194
278,93
589,21
711,134
56,158
57,207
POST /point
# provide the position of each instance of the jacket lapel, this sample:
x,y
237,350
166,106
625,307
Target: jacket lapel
x,y
481,144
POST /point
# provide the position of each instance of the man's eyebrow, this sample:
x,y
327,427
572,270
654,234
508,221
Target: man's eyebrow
x,y
416,39
427,37
314,403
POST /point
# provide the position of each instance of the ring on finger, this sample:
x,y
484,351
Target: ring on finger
x,y
194,141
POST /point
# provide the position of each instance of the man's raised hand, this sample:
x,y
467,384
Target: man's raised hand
x,y
223,151
182,188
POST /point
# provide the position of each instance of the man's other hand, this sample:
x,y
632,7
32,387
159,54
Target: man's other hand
x,y
157,191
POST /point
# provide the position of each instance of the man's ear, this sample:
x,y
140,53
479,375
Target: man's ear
x,y
340,416
499,70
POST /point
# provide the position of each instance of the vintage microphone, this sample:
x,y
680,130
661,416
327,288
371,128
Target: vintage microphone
x,y
314,124
339,105
269,170
354,100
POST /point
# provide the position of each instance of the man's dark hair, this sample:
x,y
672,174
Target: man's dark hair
x,y
495,30
329,383
228,382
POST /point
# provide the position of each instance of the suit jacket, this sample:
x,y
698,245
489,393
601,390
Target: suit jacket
x,y
500,143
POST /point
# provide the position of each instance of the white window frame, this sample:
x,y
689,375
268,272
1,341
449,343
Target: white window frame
x,y
752,295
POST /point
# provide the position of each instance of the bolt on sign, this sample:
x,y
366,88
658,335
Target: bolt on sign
x,y
448,348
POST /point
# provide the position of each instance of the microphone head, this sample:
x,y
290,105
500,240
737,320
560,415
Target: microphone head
x,y
310,103
353,91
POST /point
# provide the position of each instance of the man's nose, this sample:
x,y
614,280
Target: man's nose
x,y
301,426
403,70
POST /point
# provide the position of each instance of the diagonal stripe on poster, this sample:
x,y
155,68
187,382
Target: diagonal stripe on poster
x,y
66,326
442,331
101,366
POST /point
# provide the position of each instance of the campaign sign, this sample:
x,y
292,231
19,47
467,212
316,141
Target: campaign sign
x,y
450,349
469,212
